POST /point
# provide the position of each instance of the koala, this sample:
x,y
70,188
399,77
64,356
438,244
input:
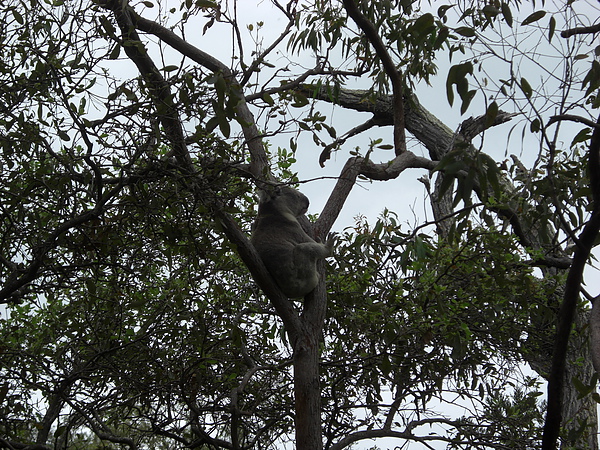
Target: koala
x,y
289,254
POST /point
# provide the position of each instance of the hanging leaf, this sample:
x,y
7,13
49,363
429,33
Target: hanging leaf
x,y
63,135
490,114
526,88
506,13
551,28
457,75
465,31
534,17
582,136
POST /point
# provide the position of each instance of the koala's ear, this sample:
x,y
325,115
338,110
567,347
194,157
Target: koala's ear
x,y
269,193
263,196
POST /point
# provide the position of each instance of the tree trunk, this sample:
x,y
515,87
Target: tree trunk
x,y
307,385
580,415
307,390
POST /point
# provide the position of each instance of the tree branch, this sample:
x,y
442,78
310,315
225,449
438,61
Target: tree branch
x,y
406,434
422,124
438,139
326,153
11,445
573,118
245,249
261,57
22,277
259,164
390,69
362,166
581,30
160,89
584,245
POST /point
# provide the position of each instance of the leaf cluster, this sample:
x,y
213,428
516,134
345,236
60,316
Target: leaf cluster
x,y
411,318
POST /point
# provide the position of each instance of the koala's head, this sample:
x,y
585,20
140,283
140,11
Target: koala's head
x,y
283,199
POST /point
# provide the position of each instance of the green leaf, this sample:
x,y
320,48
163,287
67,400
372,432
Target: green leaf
x,y
534,17
490,114
224,124
211,124
268,99
506,13
18,17
443,9
592,78
422,23
582,136
300,100
526,88
330,130
581,387
442,37
221,87
490,11
202,4
63,135
466,101
465,31
551,28
457,76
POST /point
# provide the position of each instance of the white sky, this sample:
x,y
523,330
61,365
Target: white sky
x,y
405,195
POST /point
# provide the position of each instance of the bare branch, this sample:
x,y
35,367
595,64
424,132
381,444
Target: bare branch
x,y
425,126
390,69
573,118
362,166
472,127
406,434
581,30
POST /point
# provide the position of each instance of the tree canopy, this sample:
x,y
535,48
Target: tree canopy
x,y
136,312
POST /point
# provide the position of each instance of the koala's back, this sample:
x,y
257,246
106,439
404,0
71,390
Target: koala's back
x,y
275,237
277,222
289,254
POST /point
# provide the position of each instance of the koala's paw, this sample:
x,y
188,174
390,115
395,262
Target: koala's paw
x,y
331,240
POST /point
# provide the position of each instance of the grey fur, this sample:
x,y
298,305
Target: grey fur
x,y
289,254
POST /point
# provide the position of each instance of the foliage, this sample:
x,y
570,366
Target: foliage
x,y
453,312
132,319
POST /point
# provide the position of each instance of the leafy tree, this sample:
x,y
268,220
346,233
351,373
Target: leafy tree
x,y
138,314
